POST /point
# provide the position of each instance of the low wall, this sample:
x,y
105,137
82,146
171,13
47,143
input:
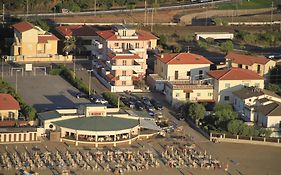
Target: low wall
x,y
53,58
187,19
245,139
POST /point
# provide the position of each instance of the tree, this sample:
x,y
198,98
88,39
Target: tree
x,y
195,111
162,40
29,112
273,87
131,6
41,23
223,114
265,132
233,126
227,46
202,44
210,40
69,45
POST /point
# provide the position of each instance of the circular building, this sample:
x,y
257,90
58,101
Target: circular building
x,y
98,130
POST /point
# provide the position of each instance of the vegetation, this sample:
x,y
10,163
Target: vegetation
x,y
227,46
275,77
246,4
113,99
67,74
274,88
28,111
70,45
220,22
263,39
195,111
39,22
202,44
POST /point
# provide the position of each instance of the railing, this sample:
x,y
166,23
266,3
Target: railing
x,y
217,137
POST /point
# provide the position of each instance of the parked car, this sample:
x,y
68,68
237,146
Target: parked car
x,y
151,113
149,107
157,105
98,99
139,105
81,95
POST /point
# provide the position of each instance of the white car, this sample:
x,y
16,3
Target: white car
x,y
101,101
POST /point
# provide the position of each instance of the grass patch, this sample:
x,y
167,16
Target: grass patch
x,y
246,4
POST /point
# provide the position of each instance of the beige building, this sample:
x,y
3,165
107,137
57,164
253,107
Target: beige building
x,y
121,56
181,66
227,81
9,107
178,92
260,106
260,65
32,44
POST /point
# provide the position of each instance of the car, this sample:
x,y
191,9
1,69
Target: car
x,y
151,113
139,105
157,105
81,95
100,101
149,107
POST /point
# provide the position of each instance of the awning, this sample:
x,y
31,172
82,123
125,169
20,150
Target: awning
x,y
149,124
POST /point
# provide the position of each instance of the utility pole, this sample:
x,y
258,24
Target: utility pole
x,y
152,11
26,9
271,16
144,23
3,15
95,7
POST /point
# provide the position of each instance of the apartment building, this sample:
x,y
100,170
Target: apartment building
x,y
260,65
9,107
178,66
121,56
85,36
260,106
227,81
31,43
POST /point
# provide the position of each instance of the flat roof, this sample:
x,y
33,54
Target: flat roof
x,y
17,129
49,115
98,123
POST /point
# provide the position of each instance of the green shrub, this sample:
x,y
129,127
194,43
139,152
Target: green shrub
x,y
112,98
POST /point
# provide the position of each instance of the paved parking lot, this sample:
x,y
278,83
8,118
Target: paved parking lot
x,y
46,92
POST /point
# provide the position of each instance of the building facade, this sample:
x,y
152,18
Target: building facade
x,y
122,56
227,81
9,107
260,65
31,43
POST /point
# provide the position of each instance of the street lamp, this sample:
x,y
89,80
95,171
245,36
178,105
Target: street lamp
x,y
17,81
90,78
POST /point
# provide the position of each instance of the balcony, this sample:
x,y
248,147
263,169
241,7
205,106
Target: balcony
x,y
124,77
187,84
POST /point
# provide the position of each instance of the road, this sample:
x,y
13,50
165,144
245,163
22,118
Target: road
x,y
118,10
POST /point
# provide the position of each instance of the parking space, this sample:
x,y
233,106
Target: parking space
x,y
46,92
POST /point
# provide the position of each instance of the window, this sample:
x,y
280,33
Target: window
x,y
177,94
176,75
124,83
210,94
227,85
200,74
187,95
259,68
240,65
116,44
123,73
162,69
257,84
246,67
124,62
226,98
198,94
124,33
137,45
188,73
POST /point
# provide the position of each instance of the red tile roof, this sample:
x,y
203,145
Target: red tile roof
x,y
76,30
121,56
234,74
110,35
7,102
45,38
23,26
246,59
183,58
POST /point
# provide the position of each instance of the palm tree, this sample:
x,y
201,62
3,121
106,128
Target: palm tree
x,y
69,45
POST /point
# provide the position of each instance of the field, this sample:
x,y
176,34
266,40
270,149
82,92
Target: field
x,y
245,4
